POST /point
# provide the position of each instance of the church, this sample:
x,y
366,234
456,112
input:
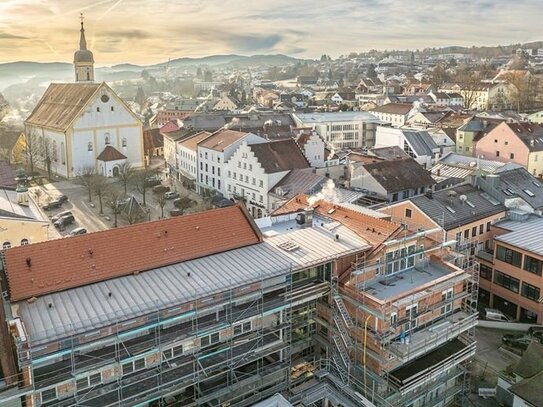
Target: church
x,y
76,126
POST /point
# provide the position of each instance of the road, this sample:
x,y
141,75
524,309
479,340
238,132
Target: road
x,y
488,349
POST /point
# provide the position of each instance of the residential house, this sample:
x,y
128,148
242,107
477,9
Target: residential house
x,y
187,158
340,98
21,220
228,103
394,180
255,169
521,143
428,119
417,144
468,134
520,386
313,148
445,99
512,267
396,114
515,187
171,154
536,117
153,143
175,111
296,99
12,145
341,130
463,214
483,96
214,152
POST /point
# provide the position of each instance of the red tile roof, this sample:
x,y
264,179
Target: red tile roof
x,y
110,154
374,230
61,264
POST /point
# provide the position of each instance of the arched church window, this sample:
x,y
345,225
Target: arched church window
x,y
89,146
124,141
106,138
6,245
24,242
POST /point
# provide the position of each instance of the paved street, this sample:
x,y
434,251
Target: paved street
x,y
489,352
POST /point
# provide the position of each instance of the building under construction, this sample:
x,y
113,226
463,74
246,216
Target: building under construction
x,y
323,304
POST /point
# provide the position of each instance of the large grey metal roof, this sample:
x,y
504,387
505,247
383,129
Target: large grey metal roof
x,y
90,307
449,211
421,142
336,117
527,235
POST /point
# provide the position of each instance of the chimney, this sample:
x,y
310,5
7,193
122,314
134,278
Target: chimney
x,y
429,194
305,218
22,195
492,180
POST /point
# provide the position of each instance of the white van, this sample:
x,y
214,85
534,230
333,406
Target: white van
x,y
495,315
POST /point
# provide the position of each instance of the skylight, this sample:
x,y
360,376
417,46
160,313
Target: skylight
x,y
529,193
537,184
451,210
506,192
470,204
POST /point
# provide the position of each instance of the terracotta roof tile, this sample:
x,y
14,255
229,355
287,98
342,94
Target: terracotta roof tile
x,y
110,154
57,265
374,230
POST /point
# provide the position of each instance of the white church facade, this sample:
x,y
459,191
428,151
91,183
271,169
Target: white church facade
x,y
84,124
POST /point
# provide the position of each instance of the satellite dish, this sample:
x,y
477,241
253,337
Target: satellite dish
x,y
463,198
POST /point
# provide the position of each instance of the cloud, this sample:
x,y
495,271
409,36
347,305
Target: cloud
x,y
130,34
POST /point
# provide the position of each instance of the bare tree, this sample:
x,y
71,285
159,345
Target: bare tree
x,y
100,187
40,151
126,175
32,142
524,88
86,176
115,201
161,200
141,181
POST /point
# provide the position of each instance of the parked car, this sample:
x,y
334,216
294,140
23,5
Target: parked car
x,y
521,341
495,315
171,195
78,231
60,215
54,204
62,198
64,221
152,181
176,212
536,332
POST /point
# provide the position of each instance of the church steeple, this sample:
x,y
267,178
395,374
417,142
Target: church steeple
x,y
83,59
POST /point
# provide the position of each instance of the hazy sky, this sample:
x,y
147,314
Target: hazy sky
x,y
149,31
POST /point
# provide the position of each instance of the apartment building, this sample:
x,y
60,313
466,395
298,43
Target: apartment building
x,y
214,152
512,267
318,302
341,130
187,158
396,114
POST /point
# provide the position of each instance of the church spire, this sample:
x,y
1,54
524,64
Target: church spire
x,y
83,59
82,40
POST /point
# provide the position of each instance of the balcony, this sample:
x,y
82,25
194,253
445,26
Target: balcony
x,y
425,340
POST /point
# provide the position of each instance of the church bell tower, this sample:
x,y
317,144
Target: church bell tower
x,y
83,59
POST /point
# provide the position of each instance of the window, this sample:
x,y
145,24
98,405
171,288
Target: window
x,y
508,256
24,242
89,146
261,198
458,237
447,294
6,245
219,184
485,272
530,264
405,194
531,292
178,350
219,171
204,341
95,379
124,142
49,394
98,109
167,354
139,364
393,318
408,213
215,337
237,330
481,229
128,368
488,226
512,156
497,153
474,231
506,281
466,234
112,108
206,155
261,184
247,326
106,138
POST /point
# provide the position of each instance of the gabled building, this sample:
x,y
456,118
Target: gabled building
x,y
396,114
254,169
313,147
187,158
418,144
227,103
521,143
394,180
214,152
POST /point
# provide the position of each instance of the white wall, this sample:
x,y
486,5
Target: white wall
x,y
314,151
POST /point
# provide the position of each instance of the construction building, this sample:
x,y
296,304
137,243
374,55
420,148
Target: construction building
x,y
320,303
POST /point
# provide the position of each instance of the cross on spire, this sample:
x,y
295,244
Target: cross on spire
x,y
81,17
